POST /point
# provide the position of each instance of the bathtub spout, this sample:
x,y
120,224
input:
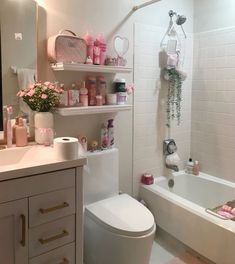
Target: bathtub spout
x,y
172,167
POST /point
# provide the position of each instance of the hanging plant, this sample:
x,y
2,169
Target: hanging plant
x,y
173,76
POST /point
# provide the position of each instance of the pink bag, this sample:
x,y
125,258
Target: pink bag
x,y
66,48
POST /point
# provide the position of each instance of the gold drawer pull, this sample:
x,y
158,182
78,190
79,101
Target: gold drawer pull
x,y
23,239
65,261
44,241
51,209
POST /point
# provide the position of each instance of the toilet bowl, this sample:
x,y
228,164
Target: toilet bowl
x,y
117,228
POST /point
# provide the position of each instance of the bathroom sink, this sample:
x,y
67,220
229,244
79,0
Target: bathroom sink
x,y
21,157
22,161
13,156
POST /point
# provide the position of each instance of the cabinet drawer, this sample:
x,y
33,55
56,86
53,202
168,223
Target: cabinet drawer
x,y
51,235
61,255
37,184
51,206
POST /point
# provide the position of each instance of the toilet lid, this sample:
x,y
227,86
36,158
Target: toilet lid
x,y
123,215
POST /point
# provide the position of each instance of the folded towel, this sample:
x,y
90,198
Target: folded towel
x,y
26,77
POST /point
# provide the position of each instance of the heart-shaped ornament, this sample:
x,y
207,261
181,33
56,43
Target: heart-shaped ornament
x,y
120,45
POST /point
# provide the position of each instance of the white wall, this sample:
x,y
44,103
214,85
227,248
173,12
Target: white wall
x,y
111,17
150,103
213,96
213,14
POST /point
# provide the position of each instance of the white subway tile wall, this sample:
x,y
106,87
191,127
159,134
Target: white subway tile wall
x,y
150,103
213,102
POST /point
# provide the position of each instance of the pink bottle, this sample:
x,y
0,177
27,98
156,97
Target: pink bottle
x,y
90,45
83,95
91,86
101,43
96,54
101,88
21,134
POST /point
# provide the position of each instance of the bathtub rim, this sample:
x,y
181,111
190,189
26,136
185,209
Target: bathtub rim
x,y
229,225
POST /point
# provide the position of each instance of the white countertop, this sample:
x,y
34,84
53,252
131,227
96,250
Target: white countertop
x,y
33,160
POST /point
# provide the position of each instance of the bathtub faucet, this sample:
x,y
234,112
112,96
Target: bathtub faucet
x,y
169,150
172,167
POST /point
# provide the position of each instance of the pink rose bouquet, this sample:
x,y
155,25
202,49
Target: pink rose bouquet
x,y
41,97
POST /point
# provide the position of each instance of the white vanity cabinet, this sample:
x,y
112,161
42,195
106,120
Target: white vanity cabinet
x,y
14,232
41,218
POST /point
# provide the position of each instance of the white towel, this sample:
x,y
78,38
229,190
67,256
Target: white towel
x,y
26,77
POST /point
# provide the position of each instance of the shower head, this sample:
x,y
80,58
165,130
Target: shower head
x,y
180,20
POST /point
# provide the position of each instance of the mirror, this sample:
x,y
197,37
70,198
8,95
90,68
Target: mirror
x,y
120,45
18,48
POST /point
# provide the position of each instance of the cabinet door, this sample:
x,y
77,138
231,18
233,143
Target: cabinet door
x,y
13,232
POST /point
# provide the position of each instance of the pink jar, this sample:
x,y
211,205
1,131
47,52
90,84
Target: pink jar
x,y
147,179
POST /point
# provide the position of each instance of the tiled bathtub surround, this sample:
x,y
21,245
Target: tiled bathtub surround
x,y
150,104
213,102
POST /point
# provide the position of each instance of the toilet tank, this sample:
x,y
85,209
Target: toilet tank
x,y
100,175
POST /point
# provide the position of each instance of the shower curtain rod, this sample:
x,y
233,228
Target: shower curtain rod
x,y
144,5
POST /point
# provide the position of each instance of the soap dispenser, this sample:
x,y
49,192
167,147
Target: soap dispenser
x,y
21,134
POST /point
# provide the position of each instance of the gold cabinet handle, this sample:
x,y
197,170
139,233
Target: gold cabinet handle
x,y
65,261
44,241
23,229
51,209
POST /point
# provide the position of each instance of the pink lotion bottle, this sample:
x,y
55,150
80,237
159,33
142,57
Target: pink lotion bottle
x,y
21,134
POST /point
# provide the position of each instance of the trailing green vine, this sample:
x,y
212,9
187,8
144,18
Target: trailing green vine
x,y
174,95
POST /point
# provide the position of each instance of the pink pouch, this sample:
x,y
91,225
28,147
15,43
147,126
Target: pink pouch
x,y
66,48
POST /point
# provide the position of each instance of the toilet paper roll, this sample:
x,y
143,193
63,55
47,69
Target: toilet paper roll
x,y
66,148
173,159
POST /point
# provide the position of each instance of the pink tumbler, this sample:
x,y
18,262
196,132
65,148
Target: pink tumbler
x,y
101,43
90,45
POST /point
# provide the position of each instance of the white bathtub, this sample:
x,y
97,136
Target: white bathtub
x,y
181,212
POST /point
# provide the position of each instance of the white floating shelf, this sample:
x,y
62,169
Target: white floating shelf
x,y
60,66
70,111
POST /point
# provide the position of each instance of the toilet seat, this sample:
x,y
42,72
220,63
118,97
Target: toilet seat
x,y
122,215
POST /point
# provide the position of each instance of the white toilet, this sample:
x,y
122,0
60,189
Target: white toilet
x,y
118,229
